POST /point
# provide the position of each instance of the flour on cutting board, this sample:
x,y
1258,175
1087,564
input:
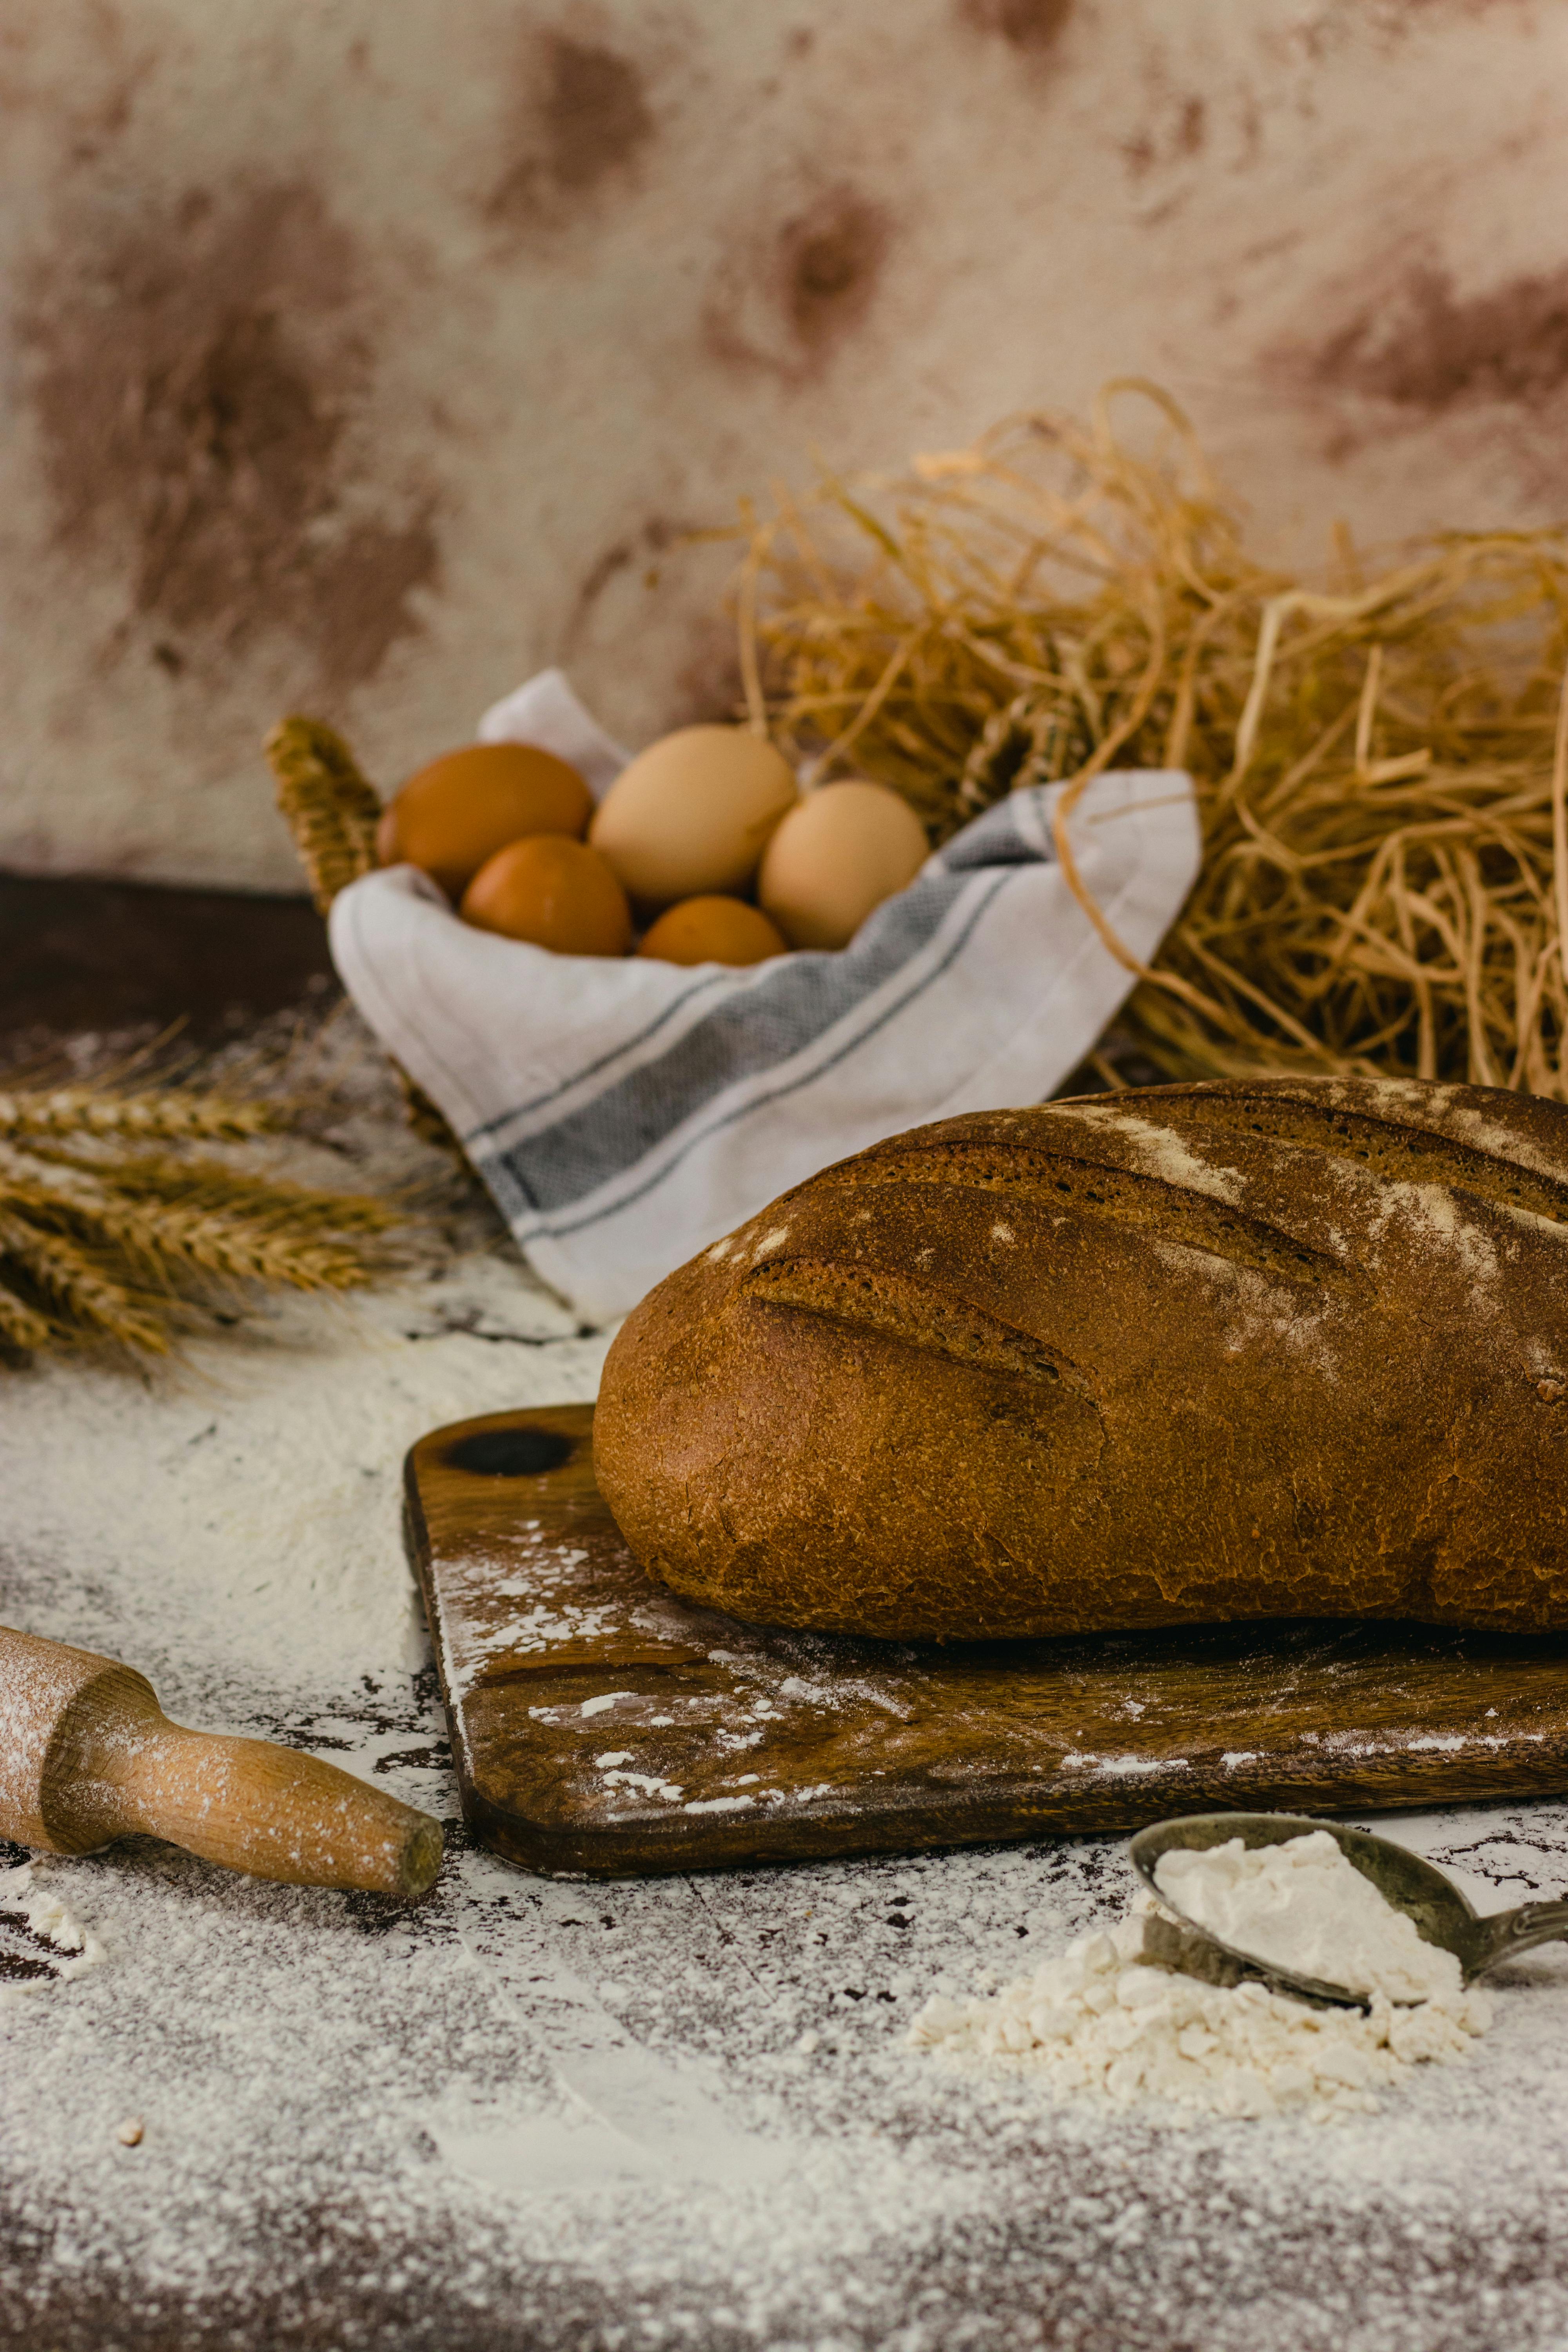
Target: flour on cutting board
x,y
725,1720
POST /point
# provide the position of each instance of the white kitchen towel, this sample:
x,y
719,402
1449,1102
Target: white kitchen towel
x,y
626,1113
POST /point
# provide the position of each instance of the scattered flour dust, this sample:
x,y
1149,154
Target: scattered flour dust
x,y
28,1893
1097,2024
254,1539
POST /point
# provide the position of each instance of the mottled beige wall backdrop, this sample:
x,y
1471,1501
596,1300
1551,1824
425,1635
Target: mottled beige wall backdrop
x,y
361,355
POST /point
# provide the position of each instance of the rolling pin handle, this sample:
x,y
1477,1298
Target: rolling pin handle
x,y
274,1812
87,1755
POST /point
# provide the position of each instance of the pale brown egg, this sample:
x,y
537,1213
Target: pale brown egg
x,y
844,849
693,812
713,931
465,806
554,891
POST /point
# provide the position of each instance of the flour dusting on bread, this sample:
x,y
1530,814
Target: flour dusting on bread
x,y
1159,1151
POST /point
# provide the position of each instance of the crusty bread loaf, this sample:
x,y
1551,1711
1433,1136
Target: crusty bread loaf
x,y
1268,1350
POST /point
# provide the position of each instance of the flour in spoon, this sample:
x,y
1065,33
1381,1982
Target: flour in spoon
x,y
1305,1908
1096,2023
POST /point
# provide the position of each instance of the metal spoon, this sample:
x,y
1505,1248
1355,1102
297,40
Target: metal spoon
x,y
1440,1913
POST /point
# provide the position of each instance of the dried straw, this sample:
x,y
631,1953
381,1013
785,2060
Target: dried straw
x,y
1382,763
103,1241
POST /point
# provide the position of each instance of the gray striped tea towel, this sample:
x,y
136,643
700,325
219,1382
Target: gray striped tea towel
x,y
626,1113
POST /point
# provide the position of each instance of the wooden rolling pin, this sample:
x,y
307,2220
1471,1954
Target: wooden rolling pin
x,y
88,1755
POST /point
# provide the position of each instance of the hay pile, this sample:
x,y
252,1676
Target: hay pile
x,y
114,1233
1380,760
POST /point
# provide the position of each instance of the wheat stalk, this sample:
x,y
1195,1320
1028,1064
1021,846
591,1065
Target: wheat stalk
x,y
332,811
100,1242
22,1329
206,1184
333,814
80,1295
174,1114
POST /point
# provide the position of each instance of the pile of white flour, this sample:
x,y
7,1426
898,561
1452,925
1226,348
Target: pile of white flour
x,y
1098,2023
1304,1908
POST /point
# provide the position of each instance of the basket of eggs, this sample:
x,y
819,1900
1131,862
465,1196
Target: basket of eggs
x,y
644,993
702,851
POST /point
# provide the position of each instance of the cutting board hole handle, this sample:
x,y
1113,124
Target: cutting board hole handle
x,y
512,1453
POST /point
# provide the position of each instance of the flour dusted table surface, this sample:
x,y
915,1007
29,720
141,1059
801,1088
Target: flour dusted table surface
x,y
534,2115
538,2115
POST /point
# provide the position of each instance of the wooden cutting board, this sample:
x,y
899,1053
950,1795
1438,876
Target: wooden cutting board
x,y
604,1729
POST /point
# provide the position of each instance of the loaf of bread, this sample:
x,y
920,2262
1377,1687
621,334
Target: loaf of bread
x,y
1279,1349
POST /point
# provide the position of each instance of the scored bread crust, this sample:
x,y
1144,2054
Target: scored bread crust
x,y
1270,1349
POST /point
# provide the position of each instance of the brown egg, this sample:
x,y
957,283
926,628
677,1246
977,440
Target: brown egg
x,y
692,813
844,849
713,931
462,808
556,892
